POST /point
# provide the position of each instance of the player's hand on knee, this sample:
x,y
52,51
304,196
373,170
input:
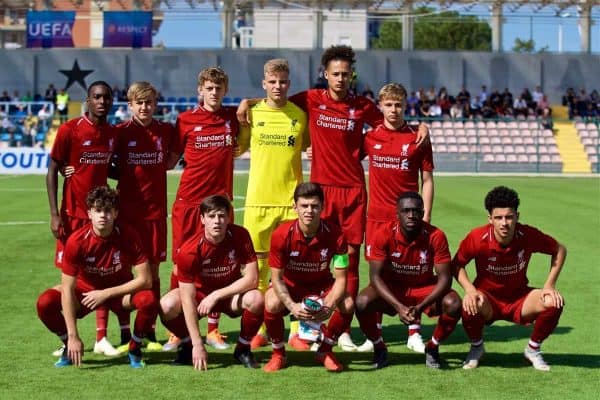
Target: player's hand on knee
x,y
206,305
552,298
200,357
94,298
472,302
405,315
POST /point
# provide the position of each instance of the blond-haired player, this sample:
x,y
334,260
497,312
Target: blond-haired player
x,y
276,137
143,155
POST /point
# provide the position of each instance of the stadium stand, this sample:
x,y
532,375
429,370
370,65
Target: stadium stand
x,y
589,135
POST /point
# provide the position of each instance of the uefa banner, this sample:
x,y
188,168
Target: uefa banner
x,y
127,29
50,28
23,160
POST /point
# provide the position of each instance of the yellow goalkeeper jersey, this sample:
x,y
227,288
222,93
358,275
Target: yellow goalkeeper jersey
x,y
276,138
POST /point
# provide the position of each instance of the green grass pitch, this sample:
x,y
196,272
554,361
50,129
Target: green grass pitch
x,y
567,208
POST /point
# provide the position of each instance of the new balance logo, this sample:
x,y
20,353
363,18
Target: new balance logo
x,y
87,143
206,262
396,254
377,146
260,123
491,258
322,107
291,142
197,129
294,254
133,143
90,259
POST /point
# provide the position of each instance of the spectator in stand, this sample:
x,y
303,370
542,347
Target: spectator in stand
x,y
463,96
526,95
20,114
44,115
430,95
421,95
435,111
507,97
413,100
542,104
15,97
368,93
62,104
537,94
487,111
483,96
5,96
546,118
467,112
444,101
424,109
27,97
160,98
520,106
456,110
595,98
50,94
121,114
496,100
476,106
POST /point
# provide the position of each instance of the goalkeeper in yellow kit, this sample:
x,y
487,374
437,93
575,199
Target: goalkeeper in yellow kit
x,y
276,137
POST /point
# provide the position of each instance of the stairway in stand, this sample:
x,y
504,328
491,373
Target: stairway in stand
x,y
571,150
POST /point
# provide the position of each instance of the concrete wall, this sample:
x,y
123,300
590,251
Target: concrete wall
x,y
174,72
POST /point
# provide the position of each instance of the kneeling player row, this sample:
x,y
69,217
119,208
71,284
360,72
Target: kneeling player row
x,y
410,274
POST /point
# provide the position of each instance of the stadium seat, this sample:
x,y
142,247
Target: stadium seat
x,y
545,158
461,140
193,99
447,125
471,131
437,132
227,101
452,148
509,149
511,158
580,125
488,158
499,158
504,132
473,140
495,140
519,149
501,125
182,100
459,132
237,100
523,125
480,125
469,124
593,158
458,124
517,140
526,132
591,126
522,158
171,99
438,139
528,140
486,148
506,139
555,158
441,148
463,149
451,140
436,124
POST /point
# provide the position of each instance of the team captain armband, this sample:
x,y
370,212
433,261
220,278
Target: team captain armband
x,y
340,261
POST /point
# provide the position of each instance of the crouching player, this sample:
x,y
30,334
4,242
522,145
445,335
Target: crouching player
x,y
217,272
500,291
96,271
301,253
403,256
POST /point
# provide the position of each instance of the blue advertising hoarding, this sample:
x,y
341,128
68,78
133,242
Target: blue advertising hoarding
x,y
50,28
127,29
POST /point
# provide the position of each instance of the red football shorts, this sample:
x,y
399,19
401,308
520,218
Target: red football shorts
x,y
413,296
372,227
153,234
508,309
185,221
347,207
70,225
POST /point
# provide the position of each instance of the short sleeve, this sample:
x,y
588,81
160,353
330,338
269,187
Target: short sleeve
x,y
278,254
465,253
441,249
71,257
62,145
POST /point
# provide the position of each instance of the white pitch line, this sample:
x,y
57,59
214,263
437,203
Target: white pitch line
x,y
13,223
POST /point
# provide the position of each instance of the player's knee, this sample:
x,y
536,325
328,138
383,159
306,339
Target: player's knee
x,y
146,301
272,302
451,305
347,305
254,301
47,301
168,308
362,302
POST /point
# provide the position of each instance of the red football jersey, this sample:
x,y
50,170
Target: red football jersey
x,y
213,266
207,140
88,148
408,264
100,263
143,153
336,135
395,163
502,271
306,263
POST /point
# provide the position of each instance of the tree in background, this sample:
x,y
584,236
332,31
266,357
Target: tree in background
x,y
523,46
447,30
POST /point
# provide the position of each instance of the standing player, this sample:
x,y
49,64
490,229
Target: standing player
x,y
500,291
206,136
336,120
85,144
276,138
301,253
395,165
403,256
97,270
217,271
143,156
